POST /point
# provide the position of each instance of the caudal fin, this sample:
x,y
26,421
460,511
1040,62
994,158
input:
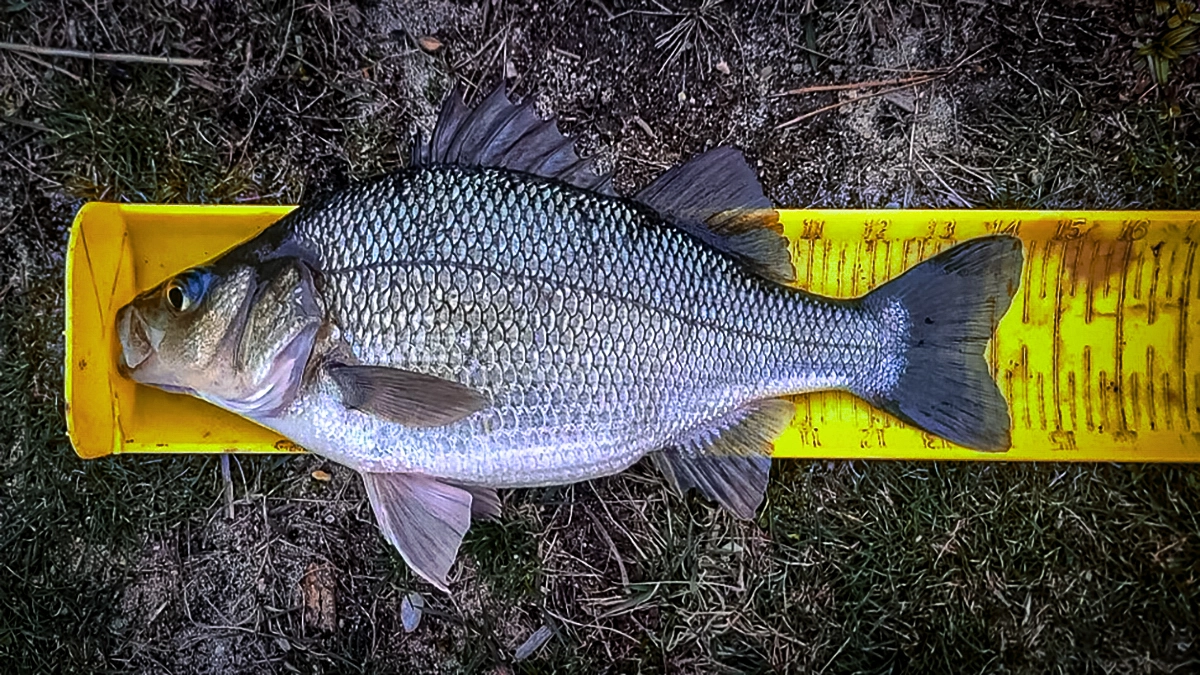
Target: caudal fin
x,y
952,304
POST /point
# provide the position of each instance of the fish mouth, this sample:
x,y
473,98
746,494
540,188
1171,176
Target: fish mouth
x,y
139,340
136,345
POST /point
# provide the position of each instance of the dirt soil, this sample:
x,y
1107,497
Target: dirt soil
x,y
134,564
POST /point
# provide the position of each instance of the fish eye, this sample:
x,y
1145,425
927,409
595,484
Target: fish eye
x,y
176,297
187,290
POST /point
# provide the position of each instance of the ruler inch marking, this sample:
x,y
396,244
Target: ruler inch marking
x,y
1135,395
1137,277
1119,366
1166,388
812,253
1041,396
1093,260
1025,383
1073,399
1028,273
1056,340
1074,266
1152,308
1151,408
1087,388
1184,328
1104,392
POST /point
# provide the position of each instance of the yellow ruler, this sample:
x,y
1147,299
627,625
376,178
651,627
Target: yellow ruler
x,y
1098,356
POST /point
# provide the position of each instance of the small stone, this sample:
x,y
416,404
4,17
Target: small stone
x,y
723,67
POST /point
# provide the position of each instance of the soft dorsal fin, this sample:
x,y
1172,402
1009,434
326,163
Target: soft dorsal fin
x,y
500,134
717,198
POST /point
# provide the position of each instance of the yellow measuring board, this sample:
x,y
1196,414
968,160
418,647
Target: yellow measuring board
x,y
1097,357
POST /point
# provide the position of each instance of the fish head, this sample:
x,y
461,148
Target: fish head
x,y
239,335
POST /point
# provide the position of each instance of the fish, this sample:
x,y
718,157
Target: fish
x,y
495,315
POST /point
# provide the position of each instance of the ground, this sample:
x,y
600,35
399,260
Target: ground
x,y
136,564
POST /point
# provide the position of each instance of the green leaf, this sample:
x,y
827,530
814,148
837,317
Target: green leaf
x,y
1162,69
1187,47
1174,21
1161,7
1176,36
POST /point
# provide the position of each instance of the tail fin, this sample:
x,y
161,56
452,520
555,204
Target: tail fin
x,y
953,303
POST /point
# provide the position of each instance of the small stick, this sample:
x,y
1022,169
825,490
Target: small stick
x,y
51,66
852,85
125,58
834,106
228,480
612,547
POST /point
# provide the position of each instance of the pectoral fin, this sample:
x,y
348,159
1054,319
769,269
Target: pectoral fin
x,y
424,518
405,397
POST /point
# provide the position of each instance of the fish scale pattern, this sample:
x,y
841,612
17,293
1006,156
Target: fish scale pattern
x,y
597,330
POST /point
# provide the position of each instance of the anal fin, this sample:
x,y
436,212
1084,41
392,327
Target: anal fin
x,y
729,459
736,483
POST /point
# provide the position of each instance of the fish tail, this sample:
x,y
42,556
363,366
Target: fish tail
x,y
944,311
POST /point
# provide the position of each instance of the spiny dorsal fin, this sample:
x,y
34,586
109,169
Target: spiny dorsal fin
x,y
717,198
500,134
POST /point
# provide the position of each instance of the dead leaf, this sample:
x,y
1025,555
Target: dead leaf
x,y
533,644
323,476
411,608
429,43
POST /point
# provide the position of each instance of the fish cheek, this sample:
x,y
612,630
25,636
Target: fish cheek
x,y
280,327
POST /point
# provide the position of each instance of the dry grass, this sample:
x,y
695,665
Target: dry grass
x,y
132,565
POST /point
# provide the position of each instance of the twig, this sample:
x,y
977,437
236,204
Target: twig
x,y
227,479
962,202
922,77
852,85
124,58
835,106
612,547
24,123
51,66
